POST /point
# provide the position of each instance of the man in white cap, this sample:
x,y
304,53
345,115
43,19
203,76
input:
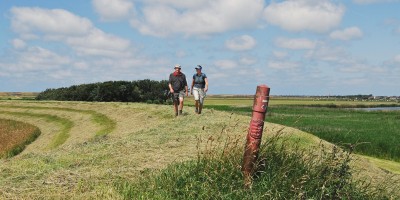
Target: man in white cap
x,y
178,87
199,88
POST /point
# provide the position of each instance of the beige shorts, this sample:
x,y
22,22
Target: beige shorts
x,y
199,94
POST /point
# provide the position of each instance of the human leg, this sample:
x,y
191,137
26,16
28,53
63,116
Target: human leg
x,y
181,98
202,95
175,100
196,98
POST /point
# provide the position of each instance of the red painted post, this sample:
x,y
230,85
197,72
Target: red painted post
x,y
254,134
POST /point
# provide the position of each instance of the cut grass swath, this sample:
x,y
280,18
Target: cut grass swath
x,y
107,124
61,136
14,136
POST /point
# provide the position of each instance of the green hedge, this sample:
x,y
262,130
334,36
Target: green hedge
x,y
110,91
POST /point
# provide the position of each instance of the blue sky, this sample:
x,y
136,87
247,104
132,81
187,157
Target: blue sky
x,y
296,47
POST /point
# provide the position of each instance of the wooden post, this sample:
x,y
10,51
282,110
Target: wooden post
x,y
254,134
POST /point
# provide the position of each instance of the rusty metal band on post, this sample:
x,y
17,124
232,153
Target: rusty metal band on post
x,y
255,131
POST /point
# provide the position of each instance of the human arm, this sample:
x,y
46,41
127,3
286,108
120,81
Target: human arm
x,y
170,88
191,88
170,84
186,85
206,85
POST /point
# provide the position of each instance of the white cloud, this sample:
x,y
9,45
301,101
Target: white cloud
x,y
18,44
80,65
112,10
397,58
298,43
180,54
178,3
353,67
163,18
279,54
247,60
99,43
34,59
225,64
62,26
327,53
305,15
281,64
60,22
60,74
373,1
95,56
347,34
241,43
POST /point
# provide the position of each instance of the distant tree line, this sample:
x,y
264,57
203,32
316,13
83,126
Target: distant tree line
x,y
148,91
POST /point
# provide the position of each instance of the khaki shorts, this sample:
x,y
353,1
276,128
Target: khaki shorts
x,y
178,95
199,94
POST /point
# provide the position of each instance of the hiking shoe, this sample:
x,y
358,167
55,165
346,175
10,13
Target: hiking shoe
x,y
197,110
180,112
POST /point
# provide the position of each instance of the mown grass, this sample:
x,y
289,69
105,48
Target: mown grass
x,y
377,132
283,171
107,124
59,137
14,136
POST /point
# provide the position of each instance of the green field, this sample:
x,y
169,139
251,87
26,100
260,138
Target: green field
x,y
18,95
274,101
375,133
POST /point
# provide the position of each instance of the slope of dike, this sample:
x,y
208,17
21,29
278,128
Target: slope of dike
x,y
102,142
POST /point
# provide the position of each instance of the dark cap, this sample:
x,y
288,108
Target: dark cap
x,y
198,67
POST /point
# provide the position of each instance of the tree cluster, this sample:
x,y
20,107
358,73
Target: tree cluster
x,y
148,91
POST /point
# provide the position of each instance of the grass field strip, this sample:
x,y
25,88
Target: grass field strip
x,y
72,122
15,136
47,128
61,136
107,124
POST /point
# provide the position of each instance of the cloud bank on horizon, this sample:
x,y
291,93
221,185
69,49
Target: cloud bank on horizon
x,y
297,47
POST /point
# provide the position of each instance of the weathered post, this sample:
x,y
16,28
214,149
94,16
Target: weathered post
x,y
254,134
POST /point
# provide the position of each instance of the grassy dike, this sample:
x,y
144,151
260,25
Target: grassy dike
x,y
150,154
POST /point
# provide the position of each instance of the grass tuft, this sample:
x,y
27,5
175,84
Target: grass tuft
x,y
284,171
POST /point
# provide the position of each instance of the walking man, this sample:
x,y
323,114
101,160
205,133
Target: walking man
x,y
178,87
199,88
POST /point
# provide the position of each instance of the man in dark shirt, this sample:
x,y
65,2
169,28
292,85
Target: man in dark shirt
x,y
178,87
